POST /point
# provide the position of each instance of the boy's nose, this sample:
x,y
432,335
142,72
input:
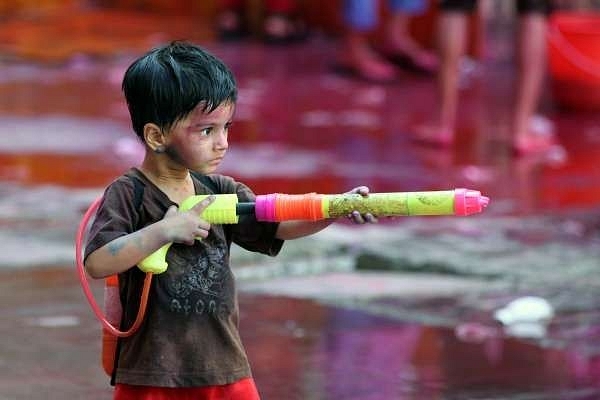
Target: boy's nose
x,y
221,140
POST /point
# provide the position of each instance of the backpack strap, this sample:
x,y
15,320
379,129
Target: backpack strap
x,y
113,374
206,181
138,192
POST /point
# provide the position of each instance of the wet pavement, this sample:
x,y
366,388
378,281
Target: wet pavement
x,y
402,310
305,349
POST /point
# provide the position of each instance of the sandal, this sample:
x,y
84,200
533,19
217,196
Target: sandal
x,y
417,60
282,28
420,63
370,73
230,26
540,139
360,61
533,144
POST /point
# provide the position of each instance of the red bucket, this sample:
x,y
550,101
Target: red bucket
x,y
574,59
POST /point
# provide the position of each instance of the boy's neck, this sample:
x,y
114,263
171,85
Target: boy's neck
x,y
176,183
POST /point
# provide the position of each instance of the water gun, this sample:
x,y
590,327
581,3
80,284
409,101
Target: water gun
x,y
279,207
276,207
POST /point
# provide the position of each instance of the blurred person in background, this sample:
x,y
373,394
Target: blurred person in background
x,y
379,62
282,22
532,60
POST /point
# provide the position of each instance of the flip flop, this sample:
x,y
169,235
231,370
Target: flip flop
x,y
534,144
433,137
283,29
351,71
422,62
230,26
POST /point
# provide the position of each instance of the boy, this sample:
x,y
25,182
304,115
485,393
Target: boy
x,y
181,101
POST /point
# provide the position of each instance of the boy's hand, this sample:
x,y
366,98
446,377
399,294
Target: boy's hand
x,y
356,216
186,226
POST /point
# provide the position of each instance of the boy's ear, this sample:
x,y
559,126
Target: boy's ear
x,y
154,137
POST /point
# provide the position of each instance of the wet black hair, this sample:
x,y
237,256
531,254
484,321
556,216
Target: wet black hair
x,y
167,83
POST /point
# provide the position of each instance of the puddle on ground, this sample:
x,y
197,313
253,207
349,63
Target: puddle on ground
x,y
302,350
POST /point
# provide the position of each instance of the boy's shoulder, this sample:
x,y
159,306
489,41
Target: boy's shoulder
x,y
123,181
129,185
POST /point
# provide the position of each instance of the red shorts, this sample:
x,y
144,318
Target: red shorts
x,y
241,390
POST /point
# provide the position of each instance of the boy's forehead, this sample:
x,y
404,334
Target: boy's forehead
x,y
226,108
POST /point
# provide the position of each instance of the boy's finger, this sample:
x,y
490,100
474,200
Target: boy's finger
x,y
201,206
356,217
363,190
370,218
172,210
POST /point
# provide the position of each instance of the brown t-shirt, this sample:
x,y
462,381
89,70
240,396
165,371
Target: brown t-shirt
x,y
190,334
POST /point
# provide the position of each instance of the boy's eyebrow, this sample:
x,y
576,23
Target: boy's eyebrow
x,y
203,122
196,124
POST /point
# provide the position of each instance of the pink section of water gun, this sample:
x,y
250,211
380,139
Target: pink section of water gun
x,y
467,202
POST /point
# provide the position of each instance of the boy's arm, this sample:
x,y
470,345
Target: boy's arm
x,y
289,230
122,253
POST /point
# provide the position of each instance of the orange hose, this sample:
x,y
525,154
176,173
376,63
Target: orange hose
x,y
110,332
141,312
110,336
79,239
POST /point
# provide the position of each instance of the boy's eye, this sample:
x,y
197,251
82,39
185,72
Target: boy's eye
x,y
205,131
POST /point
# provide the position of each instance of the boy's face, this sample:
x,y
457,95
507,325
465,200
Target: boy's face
x,y
199,142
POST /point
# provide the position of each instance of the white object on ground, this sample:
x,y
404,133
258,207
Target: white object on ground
x,y
526,317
